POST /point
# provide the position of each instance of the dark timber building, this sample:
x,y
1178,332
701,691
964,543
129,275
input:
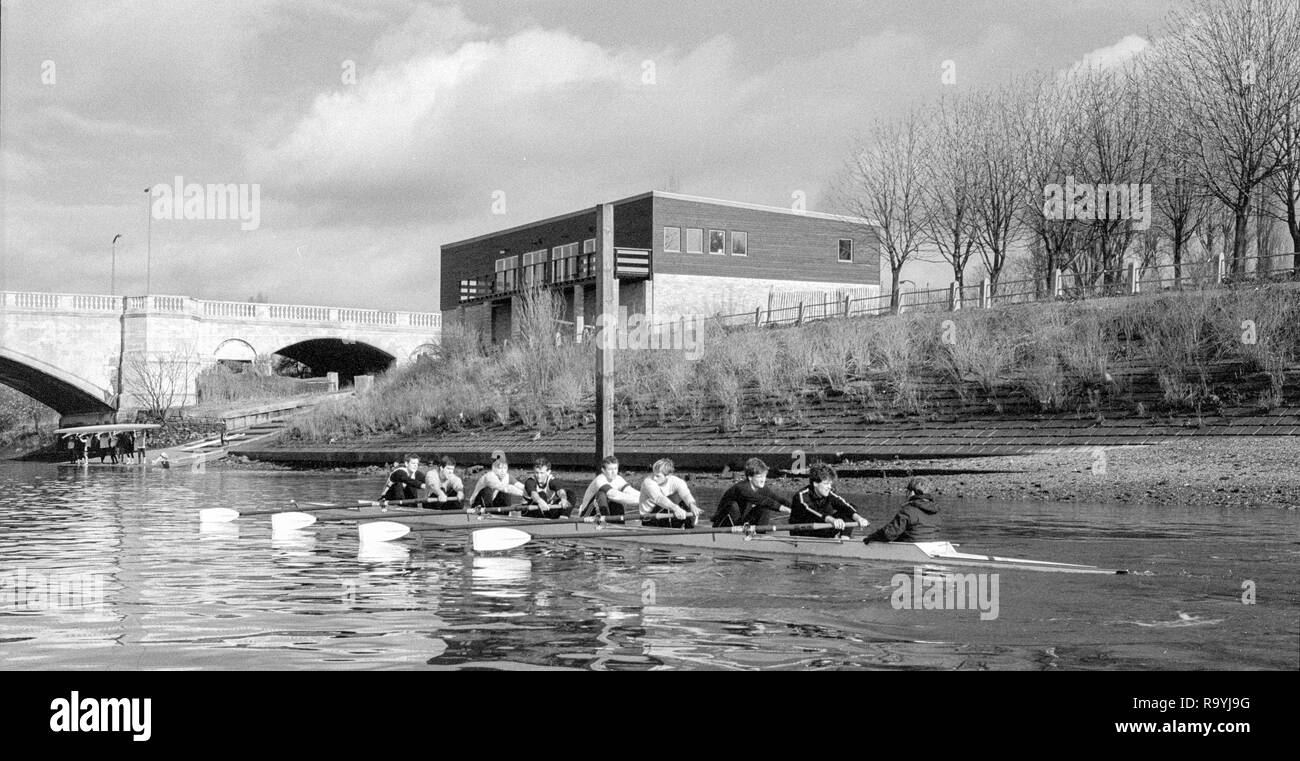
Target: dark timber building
x,y
676,255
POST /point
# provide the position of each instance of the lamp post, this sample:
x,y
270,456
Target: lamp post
x,y
148,256
112,278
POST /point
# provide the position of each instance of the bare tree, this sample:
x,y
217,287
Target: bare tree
x,y
949,176
1038,120
161,380
1232,65
884,185
1285,184
998,190
1181,205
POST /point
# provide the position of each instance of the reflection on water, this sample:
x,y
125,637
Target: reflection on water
x,y
146,586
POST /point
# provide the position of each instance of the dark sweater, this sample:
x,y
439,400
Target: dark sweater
x,y
807,507
917,521
743,504
402,485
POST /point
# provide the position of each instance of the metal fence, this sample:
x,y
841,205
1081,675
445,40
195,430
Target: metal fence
x,y
1064,285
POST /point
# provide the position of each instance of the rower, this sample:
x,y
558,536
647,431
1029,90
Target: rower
x,y
404,481
609,493
544,497
917,521
445,487
495,487
818,503
666,500
749,502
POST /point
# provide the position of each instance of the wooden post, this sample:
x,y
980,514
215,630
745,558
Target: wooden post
x,y
848,305
1223,267
579,312
954,296
1134,286
799,319
607,289
986,293
1057,286
758,317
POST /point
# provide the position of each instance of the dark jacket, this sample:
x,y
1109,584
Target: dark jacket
x,y
402,485
743,504
807,507
917,521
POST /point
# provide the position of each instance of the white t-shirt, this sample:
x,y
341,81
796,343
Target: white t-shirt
x,y
618,484
674,486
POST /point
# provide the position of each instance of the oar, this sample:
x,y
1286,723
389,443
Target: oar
x,y
227,514
497,539
387,531
388,502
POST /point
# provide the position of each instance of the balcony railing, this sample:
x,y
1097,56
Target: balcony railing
x,y
630,264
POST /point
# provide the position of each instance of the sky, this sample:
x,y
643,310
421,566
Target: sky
x,y
374,131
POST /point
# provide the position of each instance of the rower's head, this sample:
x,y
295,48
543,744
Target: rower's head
x,y
821,477
609,466
499,464
661,470
756,472
446,466
919,485
412,462
542,470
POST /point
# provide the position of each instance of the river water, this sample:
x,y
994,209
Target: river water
x,y
143,586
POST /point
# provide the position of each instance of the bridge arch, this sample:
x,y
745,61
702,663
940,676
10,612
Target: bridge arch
x,y
426,350
57,389
344,356
235,350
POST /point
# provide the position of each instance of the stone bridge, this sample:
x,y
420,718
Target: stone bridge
x,y
87,356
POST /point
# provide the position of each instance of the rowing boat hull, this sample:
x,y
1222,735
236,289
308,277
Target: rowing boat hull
x,y
848,550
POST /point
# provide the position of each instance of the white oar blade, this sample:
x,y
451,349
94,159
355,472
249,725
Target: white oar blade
x,y
382,531
217,515
498,539
291,521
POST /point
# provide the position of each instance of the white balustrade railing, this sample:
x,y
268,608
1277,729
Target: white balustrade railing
x,y
238,310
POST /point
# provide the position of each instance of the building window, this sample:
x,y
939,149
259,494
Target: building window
x,y
717,242
673,240
739,244
564,262
694,240
846,250
506,267
587,262
534,268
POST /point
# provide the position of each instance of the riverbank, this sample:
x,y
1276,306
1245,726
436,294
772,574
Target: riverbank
x,y
1223,471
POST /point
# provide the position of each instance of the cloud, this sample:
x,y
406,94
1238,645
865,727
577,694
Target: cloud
x,y
1111,55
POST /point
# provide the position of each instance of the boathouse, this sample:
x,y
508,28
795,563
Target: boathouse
x,y
675,255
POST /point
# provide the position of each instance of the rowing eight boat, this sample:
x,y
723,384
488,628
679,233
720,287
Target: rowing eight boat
x,y
927,553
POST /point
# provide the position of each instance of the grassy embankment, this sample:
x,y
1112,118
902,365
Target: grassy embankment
x,y
1045,357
